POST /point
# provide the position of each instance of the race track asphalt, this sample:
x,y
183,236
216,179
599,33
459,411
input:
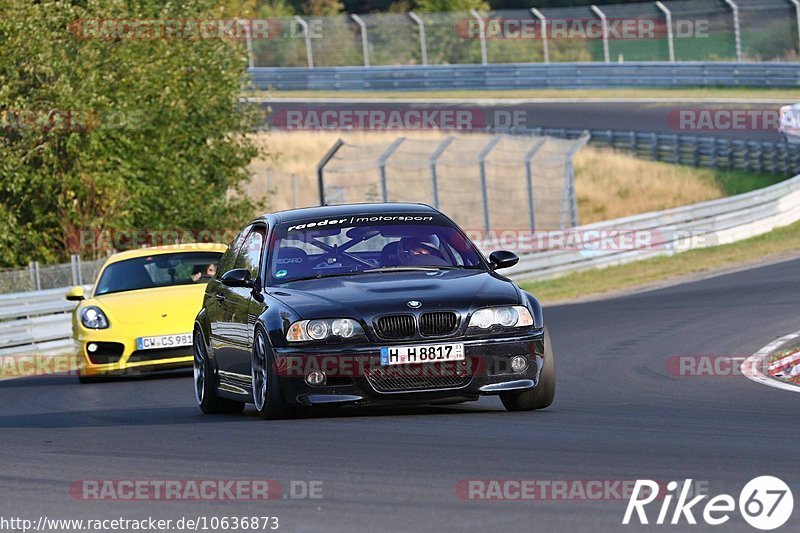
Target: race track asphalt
x,y
753,121
618,415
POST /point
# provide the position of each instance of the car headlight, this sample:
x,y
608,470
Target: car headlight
x,y
516,316
93,318
321,329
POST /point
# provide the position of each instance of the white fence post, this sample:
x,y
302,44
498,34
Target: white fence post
x,y
570,199
545,44
529,180
382,162
670,33
364,38
604,24
736,29
423,45
309,53
249,37
797,16
484,182
434,172
482,30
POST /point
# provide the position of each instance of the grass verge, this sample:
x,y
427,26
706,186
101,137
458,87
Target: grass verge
x,y
755,94
773,245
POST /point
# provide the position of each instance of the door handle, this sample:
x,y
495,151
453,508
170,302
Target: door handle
x,y
220,297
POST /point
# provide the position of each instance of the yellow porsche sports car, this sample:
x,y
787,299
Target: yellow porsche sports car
x,y
141,312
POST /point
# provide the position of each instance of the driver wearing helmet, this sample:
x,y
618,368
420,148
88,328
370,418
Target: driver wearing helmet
x,y
415,251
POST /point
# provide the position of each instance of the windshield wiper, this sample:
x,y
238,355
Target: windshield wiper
x,y
320,276
408,269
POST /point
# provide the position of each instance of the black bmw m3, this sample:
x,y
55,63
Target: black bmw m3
x,y
366,304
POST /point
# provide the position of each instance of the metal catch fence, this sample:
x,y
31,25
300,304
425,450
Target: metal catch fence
x,y
668,30
495,179
42,277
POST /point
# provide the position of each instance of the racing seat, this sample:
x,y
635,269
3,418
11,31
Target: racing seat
x,y
389,255
294,260
132,278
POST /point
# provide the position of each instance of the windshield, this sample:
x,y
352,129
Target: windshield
x,y
355,244
162,270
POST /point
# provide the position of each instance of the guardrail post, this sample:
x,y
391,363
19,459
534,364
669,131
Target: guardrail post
x,y
382,164
36,279
482,35
307,36
484,184
321,168
75,267
364,39
670,33
736,29
434,171
654,146
604,24
529,180
545,44
423,44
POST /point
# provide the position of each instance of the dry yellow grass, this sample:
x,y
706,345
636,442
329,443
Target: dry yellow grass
x,y
611,185
608,184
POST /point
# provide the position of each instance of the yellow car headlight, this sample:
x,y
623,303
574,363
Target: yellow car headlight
x,y
93,317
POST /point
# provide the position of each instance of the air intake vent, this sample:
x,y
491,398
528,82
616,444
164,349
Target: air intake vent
x,y
440,323
395,327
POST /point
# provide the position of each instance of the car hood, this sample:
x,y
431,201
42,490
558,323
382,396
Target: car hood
x,y
177,305
367,295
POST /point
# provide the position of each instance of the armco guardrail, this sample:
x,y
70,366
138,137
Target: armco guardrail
x,y
696,150
35,322
528,76
696,226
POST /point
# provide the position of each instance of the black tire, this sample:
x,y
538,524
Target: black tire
x,y
267,394
542,395
205,386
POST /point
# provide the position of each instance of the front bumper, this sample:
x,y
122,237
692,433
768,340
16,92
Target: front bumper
x,y
123,357
354,375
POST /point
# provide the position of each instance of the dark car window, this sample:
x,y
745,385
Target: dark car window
x,y
158,270
320,248
250,254
229,259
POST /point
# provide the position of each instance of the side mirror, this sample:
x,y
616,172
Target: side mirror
x,y
238,277
503,259
75,294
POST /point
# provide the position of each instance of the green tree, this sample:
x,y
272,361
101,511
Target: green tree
x,y
100,130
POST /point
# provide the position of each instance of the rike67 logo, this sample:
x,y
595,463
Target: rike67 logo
x,y
765,503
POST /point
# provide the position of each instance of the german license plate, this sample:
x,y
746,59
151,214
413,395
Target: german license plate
x,y
429,353
164,341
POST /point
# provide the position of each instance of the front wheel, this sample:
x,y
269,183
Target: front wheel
x,y
542,395
205,387
267,394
